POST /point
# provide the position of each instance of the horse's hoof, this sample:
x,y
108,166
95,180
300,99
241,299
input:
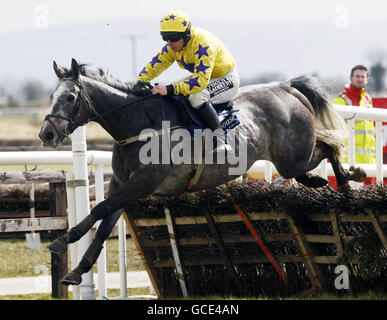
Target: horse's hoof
x,y
357,174
72,279
58,246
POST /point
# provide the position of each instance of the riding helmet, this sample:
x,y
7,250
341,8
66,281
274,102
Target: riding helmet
x,y
175,25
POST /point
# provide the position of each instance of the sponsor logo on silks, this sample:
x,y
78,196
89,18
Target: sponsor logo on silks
x,y
219,86
230,121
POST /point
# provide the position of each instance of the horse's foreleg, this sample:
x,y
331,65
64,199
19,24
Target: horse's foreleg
x,y
141,184
102,210
59,246
93,251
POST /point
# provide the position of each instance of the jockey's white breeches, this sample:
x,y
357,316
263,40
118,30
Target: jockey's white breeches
x,y
219,90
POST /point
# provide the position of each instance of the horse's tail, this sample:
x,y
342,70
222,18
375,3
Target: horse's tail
x,y
330,126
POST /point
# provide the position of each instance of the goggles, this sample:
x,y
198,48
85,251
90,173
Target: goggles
x,y
172,36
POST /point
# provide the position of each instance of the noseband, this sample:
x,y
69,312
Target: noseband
x,y
71,126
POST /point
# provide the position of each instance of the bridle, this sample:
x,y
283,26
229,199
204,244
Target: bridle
x,y
72,125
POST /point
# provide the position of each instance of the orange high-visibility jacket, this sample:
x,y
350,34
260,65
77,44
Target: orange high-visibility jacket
x,y
364,130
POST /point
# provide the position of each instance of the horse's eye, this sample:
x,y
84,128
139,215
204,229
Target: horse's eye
x,y
70,98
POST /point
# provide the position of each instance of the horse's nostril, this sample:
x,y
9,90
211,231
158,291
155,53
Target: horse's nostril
x,y
49,136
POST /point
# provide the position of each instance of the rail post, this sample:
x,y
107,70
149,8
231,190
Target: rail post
x,y
72,221
59,263
101,262
82,204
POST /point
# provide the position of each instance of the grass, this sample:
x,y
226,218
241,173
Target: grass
x,y
16,260
47,296
145,291
20,128
364,296
324,296
28,127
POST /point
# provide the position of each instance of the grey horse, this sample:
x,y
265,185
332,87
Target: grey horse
x,y
289,123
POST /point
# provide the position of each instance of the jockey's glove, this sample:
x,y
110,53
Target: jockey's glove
x,y
170,90
142,89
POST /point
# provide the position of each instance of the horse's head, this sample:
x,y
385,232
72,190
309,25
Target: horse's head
x,y
69,107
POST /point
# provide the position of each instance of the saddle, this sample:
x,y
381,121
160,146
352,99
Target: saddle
x,y
228,120
226,113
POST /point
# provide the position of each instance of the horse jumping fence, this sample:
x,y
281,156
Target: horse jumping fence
x,y
81,158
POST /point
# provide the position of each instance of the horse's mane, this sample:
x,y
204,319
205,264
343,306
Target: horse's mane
x,y
103,76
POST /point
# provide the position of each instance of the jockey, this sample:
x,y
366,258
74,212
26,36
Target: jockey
x,y
214,78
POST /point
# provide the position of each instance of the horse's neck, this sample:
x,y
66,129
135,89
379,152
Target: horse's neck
x,y
150,115
101,95
103,98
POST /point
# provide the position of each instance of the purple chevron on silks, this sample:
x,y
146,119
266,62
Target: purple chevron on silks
x,y
189,66
155,60
201,68
164,49
143,71
202,51
193,82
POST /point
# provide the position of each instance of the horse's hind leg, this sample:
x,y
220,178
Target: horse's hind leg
x,y
320,152
343,176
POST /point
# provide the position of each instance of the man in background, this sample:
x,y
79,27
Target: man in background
x,y
355,94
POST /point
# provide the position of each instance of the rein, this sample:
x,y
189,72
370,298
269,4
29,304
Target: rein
x,y
81,97
149,135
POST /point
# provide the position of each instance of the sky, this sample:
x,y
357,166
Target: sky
x,y
280,36
19,15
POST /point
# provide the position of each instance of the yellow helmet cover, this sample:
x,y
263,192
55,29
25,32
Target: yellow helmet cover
x,y
174,21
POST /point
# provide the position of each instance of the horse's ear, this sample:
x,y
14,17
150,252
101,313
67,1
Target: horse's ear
x,y
74,69
59,71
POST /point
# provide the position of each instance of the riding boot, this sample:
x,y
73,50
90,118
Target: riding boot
x,y
86,263
59,245
212,122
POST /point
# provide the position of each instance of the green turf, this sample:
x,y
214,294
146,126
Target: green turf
x,y
16,260
112,293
